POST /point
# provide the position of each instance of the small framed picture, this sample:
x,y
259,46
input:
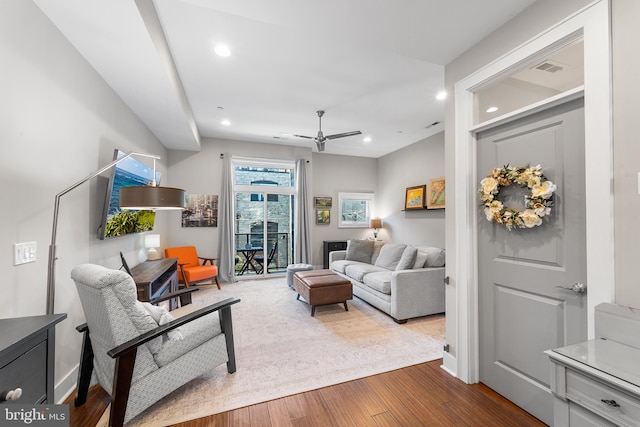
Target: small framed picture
x,y
436,194
322,202
414,197
323,216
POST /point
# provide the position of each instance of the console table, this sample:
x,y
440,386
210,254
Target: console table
x,y
27,358
596,383
155,278
330,246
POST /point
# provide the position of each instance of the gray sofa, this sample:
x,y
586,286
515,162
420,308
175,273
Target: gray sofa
x,y
402,281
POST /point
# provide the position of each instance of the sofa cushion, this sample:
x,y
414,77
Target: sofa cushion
x,y
380,281
341,264
407,259
359,250
390,255
357,271
435,256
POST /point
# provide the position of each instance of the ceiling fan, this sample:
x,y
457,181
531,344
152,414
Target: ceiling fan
x,y
320,139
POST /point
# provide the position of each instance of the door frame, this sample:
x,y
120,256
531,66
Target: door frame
x,y
593,24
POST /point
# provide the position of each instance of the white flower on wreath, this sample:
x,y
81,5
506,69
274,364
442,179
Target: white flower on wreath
x,y
489,185
530,218
493,210
544,190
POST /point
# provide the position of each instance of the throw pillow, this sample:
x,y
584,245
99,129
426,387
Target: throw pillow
x,y
421,259
390,255
376,251
161,316
359,250
435,256
407,259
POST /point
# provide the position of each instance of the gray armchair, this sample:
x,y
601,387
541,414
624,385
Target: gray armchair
x,y
137,361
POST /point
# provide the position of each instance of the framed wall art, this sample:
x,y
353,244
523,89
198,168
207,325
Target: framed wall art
x,y
322,202
323,216
201,211
414,197
436,194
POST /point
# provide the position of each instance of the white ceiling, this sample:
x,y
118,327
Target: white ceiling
x,y
373,66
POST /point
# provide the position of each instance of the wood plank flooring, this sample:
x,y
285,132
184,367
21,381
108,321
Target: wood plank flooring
x,y
420,395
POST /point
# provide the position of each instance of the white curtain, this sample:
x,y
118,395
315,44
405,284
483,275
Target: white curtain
x,y
226,262
302,242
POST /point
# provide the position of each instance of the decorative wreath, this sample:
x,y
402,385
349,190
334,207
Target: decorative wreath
x,y
538,202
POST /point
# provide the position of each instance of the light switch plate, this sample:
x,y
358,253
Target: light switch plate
x,y
24,252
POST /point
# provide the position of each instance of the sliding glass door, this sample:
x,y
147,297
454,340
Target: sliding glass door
x,y
263,219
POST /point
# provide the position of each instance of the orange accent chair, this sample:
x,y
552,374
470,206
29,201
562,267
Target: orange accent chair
x,y
191,271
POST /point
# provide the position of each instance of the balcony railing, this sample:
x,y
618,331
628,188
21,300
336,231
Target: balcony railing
x,y
282,256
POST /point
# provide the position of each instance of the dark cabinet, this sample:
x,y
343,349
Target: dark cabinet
x,y
155,278
330,246
27,347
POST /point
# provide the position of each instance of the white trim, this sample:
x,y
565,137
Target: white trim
x,y
545,104
593,23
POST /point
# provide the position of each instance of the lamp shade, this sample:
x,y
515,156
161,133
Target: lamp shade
x,y
150,197
376,223
152,241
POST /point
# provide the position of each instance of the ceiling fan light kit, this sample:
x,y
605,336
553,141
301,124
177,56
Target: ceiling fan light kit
x,y
320,139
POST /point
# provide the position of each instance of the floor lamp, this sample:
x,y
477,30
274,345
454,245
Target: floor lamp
x,y
135,197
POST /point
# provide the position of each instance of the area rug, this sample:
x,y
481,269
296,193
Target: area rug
x,y
281,350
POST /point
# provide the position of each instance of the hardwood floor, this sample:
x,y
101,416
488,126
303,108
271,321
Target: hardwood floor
x,y
420,395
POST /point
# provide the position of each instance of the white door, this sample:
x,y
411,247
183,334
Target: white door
x,y
523,274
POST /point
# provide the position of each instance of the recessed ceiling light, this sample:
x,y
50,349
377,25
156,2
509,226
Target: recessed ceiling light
x,y
225,122
492,109
222,49
441,95
366,139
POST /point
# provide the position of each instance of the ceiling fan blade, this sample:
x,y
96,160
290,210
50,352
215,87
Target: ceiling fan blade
x,y
304,136
342,135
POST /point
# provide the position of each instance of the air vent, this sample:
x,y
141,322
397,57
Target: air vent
x,y
432,125
549,66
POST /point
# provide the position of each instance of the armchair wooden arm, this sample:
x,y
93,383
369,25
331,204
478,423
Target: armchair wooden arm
x,y
207,260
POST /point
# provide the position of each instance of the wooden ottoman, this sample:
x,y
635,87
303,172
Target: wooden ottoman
x,y
322,287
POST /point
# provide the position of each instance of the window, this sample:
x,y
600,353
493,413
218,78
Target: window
x,y
354,210
260,196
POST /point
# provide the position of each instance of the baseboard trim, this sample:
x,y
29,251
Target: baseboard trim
x,y
449,364
66,385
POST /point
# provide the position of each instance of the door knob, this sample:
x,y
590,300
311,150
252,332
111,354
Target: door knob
x,y
578,288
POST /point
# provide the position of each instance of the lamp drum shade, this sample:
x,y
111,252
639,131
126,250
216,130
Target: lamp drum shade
x,y
376,223
150,197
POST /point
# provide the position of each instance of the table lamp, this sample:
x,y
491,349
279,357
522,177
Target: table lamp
x,y
151,242
375,224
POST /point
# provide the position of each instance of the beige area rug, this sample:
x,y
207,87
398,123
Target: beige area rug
x,y
281,350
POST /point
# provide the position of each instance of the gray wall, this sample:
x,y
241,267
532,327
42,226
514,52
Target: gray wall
x,y
333,174
59,122
408,167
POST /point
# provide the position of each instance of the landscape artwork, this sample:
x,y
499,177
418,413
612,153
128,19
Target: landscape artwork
x,y
414,197
322,202
436,194
323,216
201,211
